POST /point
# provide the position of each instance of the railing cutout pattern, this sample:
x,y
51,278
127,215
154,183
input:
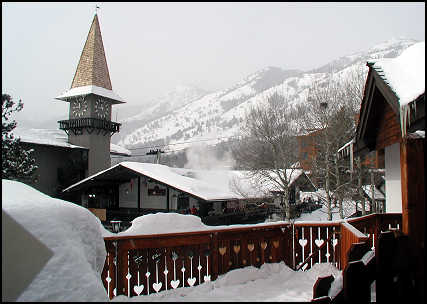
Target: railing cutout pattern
x,y
146,264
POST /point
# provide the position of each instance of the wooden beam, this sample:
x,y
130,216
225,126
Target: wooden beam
x,y
413,188
139,194
167,198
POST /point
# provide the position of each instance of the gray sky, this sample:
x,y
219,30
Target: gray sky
x,y
151,47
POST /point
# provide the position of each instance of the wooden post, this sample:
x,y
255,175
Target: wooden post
x,y
356,284
413,201
357,251
373,205
385,252
413,188
322,286
139,194
167,199
214,255
120,263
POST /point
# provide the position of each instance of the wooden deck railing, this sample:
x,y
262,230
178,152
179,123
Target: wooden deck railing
x,y
373,224
144,264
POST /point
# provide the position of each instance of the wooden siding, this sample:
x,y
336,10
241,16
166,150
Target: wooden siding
x,y
388,127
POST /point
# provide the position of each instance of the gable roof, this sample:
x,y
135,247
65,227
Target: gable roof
x,y
398,83
405,74
162,174
208,185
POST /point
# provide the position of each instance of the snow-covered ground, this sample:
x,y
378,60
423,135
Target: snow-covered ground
x,y
273,282
76,237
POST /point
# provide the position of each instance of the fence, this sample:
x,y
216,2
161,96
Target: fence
x,y
144,264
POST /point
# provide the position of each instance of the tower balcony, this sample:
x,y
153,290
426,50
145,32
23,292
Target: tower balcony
x,y
77,125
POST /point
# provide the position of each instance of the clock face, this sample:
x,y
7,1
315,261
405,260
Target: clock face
x,y
102,108
79,107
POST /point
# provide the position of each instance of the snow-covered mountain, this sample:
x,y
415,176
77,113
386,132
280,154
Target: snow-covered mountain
x,y
197,115
137,116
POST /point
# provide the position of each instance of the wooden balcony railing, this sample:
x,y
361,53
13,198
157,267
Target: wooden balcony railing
x,y
145,264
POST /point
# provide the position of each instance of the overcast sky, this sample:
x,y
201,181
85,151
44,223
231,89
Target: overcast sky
x,y
152,47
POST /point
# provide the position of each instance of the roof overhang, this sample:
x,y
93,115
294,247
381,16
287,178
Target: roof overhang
x,y
114,175
52,144
91,89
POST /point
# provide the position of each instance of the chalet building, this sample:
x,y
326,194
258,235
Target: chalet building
x,y
307,153
392,123
85,147
131,189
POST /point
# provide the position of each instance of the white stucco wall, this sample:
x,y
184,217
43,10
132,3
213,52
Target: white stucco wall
x,y
392,179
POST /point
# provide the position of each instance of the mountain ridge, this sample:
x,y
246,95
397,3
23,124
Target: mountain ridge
x,y
218,114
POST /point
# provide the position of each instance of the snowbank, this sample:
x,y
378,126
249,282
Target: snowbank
x,y
72,232
158,223
270,282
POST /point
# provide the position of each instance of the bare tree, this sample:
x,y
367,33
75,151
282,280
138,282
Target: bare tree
x,y
268,146
330,118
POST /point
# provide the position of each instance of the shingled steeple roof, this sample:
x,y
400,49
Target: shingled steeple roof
x,y
92,68
92,76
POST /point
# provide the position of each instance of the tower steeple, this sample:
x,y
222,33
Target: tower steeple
x,y
92,68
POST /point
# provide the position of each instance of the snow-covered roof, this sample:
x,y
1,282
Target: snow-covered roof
x,y
208,185
48,137
405,74
119,150
240,182
174,178
57,138
90,89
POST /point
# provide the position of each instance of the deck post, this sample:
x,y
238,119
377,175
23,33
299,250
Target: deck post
x,y
139,195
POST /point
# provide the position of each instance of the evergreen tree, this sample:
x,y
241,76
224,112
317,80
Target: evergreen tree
x,y
17,163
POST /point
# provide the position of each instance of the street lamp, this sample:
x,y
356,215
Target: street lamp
x,y
116,225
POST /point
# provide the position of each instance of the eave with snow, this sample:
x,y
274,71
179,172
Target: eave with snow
x,y
392,123
57,138
110,95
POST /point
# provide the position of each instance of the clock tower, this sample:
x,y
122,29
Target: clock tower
x,y
91,98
